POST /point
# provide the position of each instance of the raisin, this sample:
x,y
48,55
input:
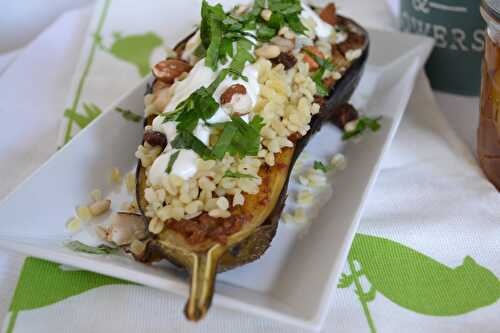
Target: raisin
x,y
155,138
286,59
344,114
353,42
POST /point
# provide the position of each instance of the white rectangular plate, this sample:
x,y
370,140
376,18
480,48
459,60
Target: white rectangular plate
x,y
293,282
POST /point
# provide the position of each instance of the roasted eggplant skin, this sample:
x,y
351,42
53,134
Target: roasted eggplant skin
x,y
254,245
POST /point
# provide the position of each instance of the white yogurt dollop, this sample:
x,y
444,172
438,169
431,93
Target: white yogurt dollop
x,y
202,132
168,128
322,29
184,166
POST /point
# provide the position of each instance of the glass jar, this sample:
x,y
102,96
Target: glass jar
x,y
488,136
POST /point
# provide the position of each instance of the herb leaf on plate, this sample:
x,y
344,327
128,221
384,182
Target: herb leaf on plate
x,y
80,247
129,115
362,125
318,165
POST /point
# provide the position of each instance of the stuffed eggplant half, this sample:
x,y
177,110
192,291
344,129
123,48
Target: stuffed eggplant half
x,y
228,114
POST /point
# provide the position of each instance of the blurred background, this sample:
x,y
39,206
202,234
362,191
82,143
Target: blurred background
x,y
21,21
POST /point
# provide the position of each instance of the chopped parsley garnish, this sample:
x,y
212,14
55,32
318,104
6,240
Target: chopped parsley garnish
x,y
80,247
324,66
218,32
225,139
224,37
231,174
284,13
321,88
200,105
171,161
239,138
318,165
186,140
129,115
242,56
363,124
246,141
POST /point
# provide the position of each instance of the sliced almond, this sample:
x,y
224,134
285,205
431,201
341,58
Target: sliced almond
x,y
268,51
168,70
227,95
329,14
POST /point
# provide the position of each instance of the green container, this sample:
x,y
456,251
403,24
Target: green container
x,y
459,31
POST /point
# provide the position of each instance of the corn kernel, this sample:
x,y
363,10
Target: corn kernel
x,y
130,182
305,198
96,195
156,225
339,161
83,212
73,225
287,218
116,176
299,215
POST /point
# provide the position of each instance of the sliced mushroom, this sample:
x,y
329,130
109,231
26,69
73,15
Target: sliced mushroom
x,y
125,228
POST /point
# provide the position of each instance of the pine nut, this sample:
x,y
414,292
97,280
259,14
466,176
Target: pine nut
x,y
284,44
156,226
351,126
266,14
83,213
99,207
268,51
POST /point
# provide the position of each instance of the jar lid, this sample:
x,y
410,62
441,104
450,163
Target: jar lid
x,y
492,7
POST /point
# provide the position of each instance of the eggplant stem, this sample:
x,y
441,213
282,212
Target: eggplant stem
x,y
203,272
